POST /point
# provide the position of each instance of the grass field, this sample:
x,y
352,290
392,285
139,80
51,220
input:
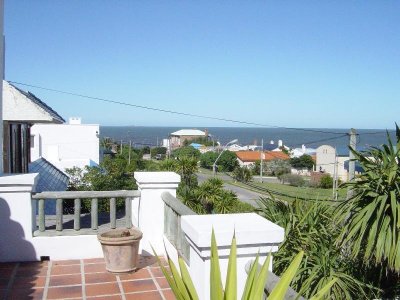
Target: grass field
x,y
289,193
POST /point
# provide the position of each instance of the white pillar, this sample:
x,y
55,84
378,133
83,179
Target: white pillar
x,y
2,62
17,218
148,213
254,234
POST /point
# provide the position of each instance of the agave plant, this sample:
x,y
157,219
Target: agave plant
x,y
183,287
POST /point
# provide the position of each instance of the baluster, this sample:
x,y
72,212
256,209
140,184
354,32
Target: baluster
x,y
93,213
42,217
128,213
59,215
77,214
113,212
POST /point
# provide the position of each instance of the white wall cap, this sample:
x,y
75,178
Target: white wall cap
x,y
250,229
18,182
157,177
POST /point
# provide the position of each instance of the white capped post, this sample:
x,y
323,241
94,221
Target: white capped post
x,y
254,234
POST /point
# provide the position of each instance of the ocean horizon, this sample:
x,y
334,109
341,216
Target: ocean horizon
x,y
141,136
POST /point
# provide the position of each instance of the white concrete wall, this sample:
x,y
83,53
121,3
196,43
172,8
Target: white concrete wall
x,y
254,235
325,159
17,223
148,212
2,60
66,145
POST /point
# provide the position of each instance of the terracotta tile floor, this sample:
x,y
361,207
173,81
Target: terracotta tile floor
x,y
82,279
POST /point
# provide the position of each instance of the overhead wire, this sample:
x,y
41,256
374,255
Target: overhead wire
x,y
170,111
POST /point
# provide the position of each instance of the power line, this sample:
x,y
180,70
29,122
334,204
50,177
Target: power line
x,y
169,111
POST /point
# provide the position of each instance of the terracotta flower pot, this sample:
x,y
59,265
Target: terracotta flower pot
x,y
120,249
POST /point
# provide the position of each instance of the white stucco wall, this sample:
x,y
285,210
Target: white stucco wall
x,y
325,161
66,145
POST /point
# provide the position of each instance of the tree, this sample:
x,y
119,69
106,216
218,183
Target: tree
x,y
188,151
227,161
371,218
326,181
277,167
157,150
106,143
207,159
242,174
303,162
200,140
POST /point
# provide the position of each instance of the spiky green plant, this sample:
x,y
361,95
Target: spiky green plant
x,y
308,226
371,218
183,287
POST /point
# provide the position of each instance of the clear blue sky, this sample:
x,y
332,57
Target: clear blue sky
x,y
286,63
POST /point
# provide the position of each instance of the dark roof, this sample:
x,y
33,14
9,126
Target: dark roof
x,y
40,103
270,147
358,167
50,179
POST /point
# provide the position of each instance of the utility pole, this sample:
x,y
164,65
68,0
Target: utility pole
x,y
261,160
335,177
352,163
129,157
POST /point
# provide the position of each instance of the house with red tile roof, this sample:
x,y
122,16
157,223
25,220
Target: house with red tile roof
x,y
248,158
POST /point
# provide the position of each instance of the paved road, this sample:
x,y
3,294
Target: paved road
x,y
243,194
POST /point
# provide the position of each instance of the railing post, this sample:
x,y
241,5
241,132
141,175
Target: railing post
x,y
42,217
94,213
128,212
254,235
113,213
150,211
77,214
59,214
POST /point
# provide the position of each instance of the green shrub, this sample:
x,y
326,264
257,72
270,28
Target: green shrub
x,y
292,179
242,174
326,182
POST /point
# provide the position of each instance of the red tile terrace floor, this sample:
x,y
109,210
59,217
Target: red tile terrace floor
x,y
82,279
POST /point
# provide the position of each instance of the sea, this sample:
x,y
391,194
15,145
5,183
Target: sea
x,y
141,136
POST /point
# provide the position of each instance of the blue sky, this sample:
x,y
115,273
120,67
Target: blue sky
x,y
284,63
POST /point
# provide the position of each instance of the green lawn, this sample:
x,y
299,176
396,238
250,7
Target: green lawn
x,y
292,192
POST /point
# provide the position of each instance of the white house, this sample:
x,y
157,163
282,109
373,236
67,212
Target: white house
x,y
178,138
326,158
66,145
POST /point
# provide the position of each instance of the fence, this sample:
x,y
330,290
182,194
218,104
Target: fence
x,y
78,197
173,210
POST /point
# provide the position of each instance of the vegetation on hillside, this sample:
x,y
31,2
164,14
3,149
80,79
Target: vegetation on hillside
x,y
355,240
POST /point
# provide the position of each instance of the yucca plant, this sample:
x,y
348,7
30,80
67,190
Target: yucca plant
x,y
183,287
371,218
308,226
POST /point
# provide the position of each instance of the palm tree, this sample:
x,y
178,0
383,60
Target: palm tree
x,y
106,143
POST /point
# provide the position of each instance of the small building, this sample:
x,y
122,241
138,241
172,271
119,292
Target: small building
x,y
326,159
66,145
21,110
178,138
248,158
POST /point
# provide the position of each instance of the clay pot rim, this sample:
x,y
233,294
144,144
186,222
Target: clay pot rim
x,y
135,235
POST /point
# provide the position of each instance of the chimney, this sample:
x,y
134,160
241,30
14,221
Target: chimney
x,y
75,121
280,143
